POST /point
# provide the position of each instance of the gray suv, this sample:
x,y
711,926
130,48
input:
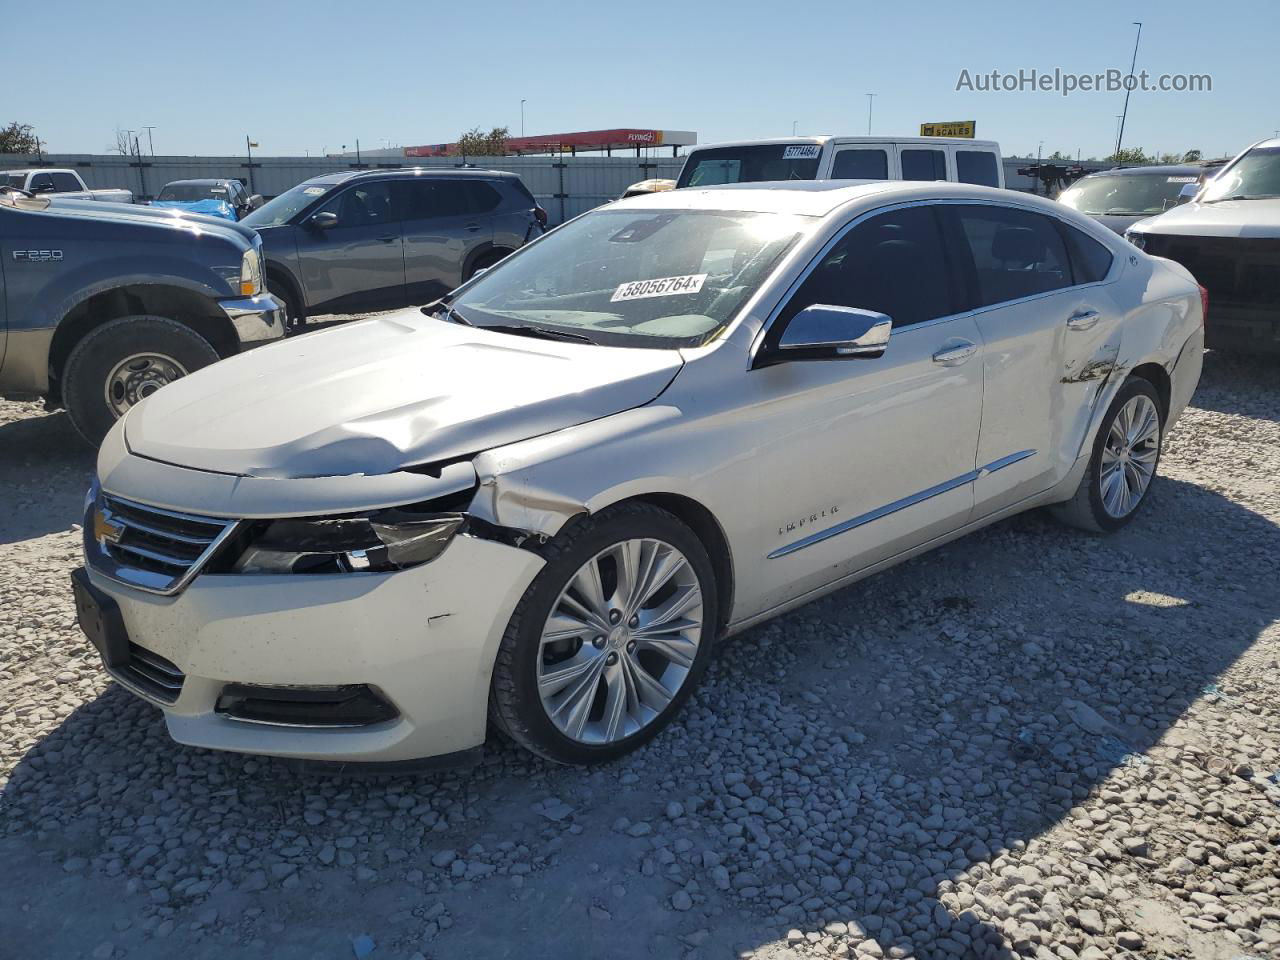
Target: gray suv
x,y
377,240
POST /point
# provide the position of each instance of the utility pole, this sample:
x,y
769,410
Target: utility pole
x,y
357,151
793,127
150,143
871,100
248,146
1128,88
522,103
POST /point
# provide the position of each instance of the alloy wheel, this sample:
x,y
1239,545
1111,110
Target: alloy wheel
x,y
620,641
1129,456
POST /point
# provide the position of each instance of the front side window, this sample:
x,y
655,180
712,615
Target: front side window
x,y
1256,176
364,205
751,164
924,164
65,183
977,166
1014,253
41,182
894,263
861,164
665,278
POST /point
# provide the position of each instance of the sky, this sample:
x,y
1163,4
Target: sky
x,y
312,77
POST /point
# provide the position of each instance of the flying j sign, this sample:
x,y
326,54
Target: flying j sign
x,y
950,128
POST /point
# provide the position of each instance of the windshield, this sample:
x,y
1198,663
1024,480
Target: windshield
x,y
640,278
18,180
286,206
187,192
770,161
1255,177
1134,194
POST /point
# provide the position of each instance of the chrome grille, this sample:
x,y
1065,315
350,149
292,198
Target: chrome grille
x,y
151,674
149,547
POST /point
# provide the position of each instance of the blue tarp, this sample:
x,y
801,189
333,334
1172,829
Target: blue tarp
x,y
210,208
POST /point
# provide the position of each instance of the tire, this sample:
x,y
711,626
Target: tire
x,y
1091,508
94,369
294,322
517,707
485,261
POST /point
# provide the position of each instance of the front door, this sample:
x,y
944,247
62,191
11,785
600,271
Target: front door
x,y
445,226
863,161
358,262
861,459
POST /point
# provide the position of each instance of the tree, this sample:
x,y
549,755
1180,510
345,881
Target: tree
x,y
475,142
1170,158
1192,156
19,138
1133,156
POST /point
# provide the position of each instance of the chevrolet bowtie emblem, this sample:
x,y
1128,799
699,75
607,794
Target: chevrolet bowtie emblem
x,y
105,528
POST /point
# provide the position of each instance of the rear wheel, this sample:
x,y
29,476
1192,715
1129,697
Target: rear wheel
x,y
122,363
1126,455
610,639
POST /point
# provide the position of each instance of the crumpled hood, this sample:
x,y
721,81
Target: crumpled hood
x,y
378,395
1226,218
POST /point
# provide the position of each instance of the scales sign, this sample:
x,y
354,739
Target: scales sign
x,y
950,128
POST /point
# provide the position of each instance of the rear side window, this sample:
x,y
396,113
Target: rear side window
x,y
860,165
924,165
481,196
1090,260
894,263
424,199
65,183
977,166
1014,253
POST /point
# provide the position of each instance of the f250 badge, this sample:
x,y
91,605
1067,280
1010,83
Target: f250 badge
x,y
37,256
793,525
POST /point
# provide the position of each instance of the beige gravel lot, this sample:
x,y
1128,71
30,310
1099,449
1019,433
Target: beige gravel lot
x,y
1029,743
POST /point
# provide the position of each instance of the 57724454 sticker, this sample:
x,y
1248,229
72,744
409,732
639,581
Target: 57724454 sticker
x,y
661,287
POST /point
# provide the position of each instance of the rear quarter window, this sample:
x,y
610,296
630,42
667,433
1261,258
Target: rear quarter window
x,y
1090,260
977,166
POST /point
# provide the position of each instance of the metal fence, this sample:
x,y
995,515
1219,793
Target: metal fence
x,y
565,186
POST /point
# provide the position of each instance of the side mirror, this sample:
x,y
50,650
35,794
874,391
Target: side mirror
x,y
825,332
42,188
256,201
324,220
1188,192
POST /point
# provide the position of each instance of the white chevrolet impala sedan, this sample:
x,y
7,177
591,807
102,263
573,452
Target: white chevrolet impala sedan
x,y
538,503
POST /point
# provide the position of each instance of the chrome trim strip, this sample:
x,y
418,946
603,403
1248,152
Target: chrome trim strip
x,y
902,504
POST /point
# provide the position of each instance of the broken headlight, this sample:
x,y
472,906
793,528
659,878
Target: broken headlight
x,y
377,542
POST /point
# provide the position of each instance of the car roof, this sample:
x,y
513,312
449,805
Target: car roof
x,y
1155,170
817,198
826,138
342,176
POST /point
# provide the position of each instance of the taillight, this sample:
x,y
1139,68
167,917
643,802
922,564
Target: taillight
x,y
540,214
1204,303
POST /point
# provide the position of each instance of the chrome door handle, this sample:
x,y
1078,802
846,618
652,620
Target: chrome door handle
x,y
956,353
1083,320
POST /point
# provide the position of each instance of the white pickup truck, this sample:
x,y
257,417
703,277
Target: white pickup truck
x,y
59,183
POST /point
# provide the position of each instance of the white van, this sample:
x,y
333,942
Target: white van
x,y
956,159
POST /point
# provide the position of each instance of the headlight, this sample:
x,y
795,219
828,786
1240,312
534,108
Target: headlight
x,y
1139,240
250,273
374,543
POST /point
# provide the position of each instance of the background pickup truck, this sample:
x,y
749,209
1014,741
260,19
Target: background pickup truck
x,y
103,304
60,183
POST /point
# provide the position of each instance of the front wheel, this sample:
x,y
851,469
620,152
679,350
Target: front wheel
x,y
1125,457
294,322
610,639
122,363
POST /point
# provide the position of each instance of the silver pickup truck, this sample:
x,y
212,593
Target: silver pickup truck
x,y
65,184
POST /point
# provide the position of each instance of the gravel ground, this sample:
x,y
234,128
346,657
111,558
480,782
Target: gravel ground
x,y
1029,743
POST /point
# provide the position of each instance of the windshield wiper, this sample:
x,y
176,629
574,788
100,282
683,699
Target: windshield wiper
x,y
541,333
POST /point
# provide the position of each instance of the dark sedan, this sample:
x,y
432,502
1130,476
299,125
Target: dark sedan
x,y
378,240
1120,198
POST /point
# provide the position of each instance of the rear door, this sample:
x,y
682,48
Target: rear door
x,y
1048,339
443,229
357,264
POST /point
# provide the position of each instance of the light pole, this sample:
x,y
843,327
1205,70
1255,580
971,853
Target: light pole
x,y
871,101
128,141
522,103
793,127
1128,88
150,143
